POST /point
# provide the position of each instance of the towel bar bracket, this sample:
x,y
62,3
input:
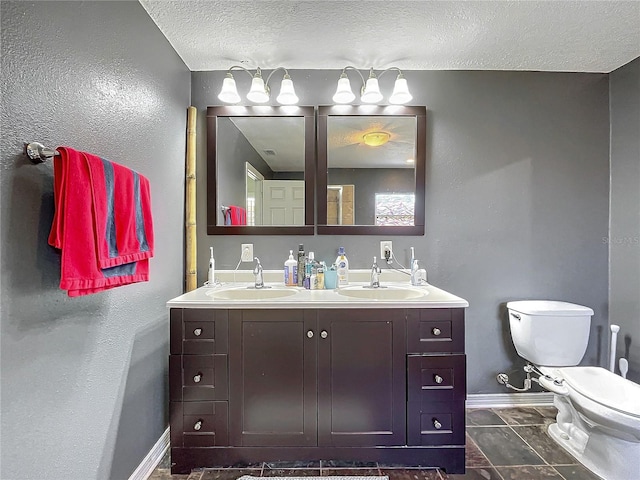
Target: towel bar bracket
x,y
38,153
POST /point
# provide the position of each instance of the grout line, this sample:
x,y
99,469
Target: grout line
x,y
527,443
486,457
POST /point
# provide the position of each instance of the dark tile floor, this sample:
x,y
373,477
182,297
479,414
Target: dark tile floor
x,y
502,444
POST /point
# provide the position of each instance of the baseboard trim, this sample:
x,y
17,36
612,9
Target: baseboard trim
x,y
153,458
493,400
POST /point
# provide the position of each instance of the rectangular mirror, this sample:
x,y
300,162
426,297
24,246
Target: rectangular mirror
x,y
260,170
371,170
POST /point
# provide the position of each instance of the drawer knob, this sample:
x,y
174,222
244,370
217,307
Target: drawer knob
x,y
197,377
438,379
436,331
437,424
198,425
324,334
310,334
197,332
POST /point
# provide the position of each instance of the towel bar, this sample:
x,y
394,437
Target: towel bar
x,y
38,153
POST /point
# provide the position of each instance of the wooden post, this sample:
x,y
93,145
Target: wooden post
x,y
190,204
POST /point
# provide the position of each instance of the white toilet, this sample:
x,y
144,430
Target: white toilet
x,y
598,418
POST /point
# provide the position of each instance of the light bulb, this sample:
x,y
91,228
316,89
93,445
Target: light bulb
x,y
400,93
258,92
287,94
229,92
371,92
343,94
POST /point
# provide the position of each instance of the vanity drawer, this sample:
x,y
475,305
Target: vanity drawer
x,y
199,331
199,424
198,377
439,424
435,330
436,378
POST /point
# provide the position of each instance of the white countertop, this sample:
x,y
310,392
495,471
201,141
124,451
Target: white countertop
x,y
203,297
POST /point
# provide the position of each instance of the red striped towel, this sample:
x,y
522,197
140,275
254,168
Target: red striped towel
x,y
238,215
102,223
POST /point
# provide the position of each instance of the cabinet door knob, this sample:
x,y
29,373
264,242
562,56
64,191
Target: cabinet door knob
x,y
310,334
324,334
437,424
438,379
198,425
436,331
197,332
197,377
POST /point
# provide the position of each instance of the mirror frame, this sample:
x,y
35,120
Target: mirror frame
x,y
308,113
420,112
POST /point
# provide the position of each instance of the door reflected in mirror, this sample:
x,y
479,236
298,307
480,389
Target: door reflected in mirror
x,y
259,175
371,163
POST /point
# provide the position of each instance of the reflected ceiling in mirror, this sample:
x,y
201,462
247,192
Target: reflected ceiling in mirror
x,y
371,165
260,170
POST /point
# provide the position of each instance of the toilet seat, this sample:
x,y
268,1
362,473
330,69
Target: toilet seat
x,y
604,387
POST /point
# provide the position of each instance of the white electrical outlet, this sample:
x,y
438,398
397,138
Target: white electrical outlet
x,y
386,249
246,254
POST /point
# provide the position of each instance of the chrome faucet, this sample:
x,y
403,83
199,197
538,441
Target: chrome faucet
x,y
375,274
257,271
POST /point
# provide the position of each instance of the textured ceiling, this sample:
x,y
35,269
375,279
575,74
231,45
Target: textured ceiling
x,y
568,36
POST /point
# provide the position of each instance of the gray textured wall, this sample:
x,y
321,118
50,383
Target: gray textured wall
x,y
84,379
624,237
517,198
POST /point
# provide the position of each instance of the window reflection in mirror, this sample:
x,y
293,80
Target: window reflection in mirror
x,y
259,175
371,163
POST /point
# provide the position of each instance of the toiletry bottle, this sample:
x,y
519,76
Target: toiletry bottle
x,y
301,266
307,269
320,276
291,271
211,276
313,278
342,264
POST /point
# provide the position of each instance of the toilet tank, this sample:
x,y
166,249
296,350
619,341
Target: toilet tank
x,y
550,333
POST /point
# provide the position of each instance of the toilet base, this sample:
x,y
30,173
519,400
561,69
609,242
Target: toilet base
x,y
608,457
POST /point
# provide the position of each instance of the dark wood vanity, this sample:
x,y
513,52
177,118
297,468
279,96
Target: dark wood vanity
x,y
383,385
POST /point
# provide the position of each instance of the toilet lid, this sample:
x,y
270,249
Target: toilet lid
x,y
549,307
605,388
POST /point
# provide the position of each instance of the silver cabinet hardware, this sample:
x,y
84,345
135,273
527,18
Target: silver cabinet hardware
x,y
437,424
197,332
198,425
197,377
310,334
436,331
324,334
438,379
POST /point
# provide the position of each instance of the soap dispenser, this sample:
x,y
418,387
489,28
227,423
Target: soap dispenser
x,y
291,271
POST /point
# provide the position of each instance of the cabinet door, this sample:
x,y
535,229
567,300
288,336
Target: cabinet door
x,y
361,378
273,378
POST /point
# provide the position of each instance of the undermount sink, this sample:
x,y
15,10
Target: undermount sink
x,y
251,293
382,293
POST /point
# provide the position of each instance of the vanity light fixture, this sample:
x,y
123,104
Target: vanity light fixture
x,y
370,90
259,91
375,139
